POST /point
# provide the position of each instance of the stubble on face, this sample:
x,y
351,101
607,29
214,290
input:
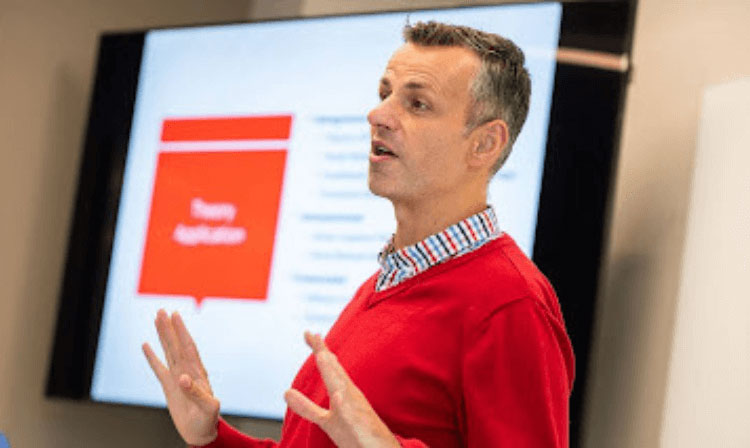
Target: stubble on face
x,y
420,123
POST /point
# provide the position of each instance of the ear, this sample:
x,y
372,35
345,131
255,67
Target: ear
x,y
489,143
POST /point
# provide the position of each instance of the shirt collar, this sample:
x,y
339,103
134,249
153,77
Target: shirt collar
x,y
458,239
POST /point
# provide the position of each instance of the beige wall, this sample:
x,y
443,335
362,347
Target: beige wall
x,y
46,62
680,47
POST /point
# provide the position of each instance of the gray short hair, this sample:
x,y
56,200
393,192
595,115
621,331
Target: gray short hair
x,y
502,87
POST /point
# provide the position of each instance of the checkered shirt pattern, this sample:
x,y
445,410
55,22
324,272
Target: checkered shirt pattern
x,y
458,239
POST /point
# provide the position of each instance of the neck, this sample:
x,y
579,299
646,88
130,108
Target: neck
x,y
417,221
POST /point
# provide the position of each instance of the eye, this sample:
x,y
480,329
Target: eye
x,y
418,104
383,94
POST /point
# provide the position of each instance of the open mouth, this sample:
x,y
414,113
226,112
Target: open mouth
x,y
379,149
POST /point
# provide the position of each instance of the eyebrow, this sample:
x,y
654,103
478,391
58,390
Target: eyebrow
x,y
414,85
411,85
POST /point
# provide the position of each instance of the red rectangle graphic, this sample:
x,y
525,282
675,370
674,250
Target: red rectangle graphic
x,y
275,127
212,224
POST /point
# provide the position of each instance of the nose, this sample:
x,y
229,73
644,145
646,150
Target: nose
x,y
383,116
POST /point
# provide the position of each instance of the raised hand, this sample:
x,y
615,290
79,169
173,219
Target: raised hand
x,y
351,421
191,403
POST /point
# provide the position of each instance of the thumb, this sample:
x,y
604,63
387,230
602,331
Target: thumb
x,y
205,400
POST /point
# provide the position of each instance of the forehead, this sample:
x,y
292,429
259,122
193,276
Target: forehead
x,y
449,69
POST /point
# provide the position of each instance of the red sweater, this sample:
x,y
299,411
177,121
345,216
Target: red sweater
x,y
471,353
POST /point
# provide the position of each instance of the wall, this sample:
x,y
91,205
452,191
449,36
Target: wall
x,y
680,47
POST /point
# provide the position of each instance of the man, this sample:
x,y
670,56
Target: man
x,y
458,339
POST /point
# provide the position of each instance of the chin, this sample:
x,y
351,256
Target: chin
x,y
378,190
381,187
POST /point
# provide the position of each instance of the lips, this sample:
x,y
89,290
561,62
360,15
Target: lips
x,y
378,148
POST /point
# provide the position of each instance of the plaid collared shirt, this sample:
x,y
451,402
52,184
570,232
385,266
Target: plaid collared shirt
x,y
458,239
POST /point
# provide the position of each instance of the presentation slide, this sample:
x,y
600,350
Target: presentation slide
x,y
245,205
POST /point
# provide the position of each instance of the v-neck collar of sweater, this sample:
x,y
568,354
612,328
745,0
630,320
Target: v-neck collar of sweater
x,y
376,297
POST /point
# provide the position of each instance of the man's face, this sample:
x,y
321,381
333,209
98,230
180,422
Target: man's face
x,y
421,124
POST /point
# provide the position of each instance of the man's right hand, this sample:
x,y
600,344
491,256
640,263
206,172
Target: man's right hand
x,y
191,403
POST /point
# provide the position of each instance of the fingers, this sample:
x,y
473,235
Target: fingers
x,y
168,338
305,408
179,348
159,369
204,397
334,376
193,388
187,345
315,342
351,420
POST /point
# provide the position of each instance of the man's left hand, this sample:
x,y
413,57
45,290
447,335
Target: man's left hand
x,y
351,421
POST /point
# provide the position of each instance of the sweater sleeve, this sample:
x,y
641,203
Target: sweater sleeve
x,y
517,375
228,437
